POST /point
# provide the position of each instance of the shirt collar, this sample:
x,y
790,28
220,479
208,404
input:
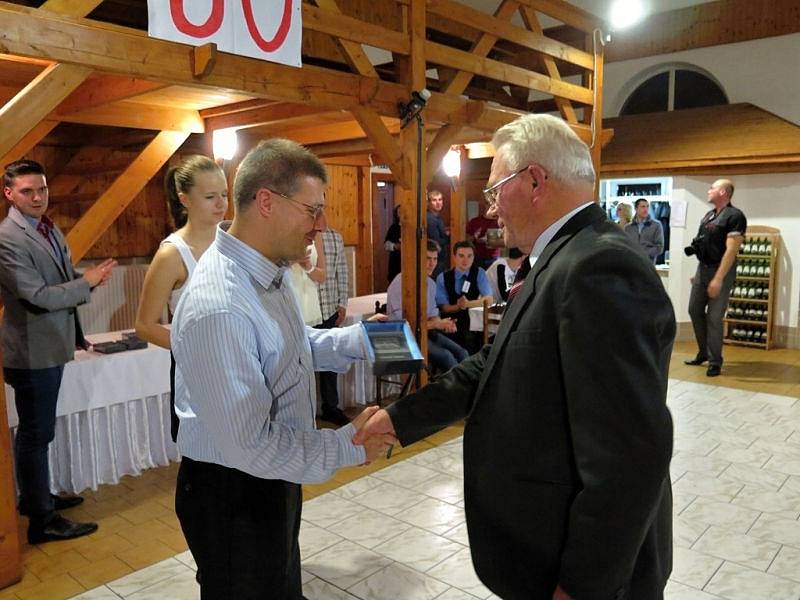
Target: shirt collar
x,y
549,233
263,270
32,221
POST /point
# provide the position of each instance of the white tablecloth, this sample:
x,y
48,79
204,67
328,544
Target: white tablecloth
x,y
357,386
112,417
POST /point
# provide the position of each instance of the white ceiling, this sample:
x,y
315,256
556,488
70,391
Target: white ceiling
x,y
599,7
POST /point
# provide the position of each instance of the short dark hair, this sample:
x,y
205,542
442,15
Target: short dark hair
x,y
639,201
19,168
463,244
433,246
434,192
276,164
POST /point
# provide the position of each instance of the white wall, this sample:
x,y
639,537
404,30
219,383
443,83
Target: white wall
x,y
759,72
754,72
772,200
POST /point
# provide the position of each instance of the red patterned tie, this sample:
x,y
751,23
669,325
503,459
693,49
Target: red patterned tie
x,y
519,279
44,229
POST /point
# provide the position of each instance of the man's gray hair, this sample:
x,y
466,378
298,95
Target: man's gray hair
x,y
549,142
276,164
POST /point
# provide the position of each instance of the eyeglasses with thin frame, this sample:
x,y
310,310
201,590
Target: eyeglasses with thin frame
x,y
315,212
491,193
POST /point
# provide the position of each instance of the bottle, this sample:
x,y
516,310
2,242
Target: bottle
x,y
762,247
765,293
764,337
752,291
768,247
739,268
760,269
766,269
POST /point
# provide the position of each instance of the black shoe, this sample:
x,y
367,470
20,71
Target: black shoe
x,y
695,361
335,416
713,371
59,503
59,529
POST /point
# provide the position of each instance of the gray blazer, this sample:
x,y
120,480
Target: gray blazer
x,y
40,325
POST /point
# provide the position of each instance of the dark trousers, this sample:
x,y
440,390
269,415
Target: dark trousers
x,y
242,531
35,395
707,313
327,379
444,353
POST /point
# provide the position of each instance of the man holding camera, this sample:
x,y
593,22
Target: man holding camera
x,y
716,246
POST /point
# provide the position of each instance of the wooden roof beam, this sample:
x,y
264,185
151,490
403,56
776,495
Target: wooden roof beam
x,y
353,52
445,55
95,221
137,116
327,19
76,8
128,52
547,62
482,47
275,112
385,143
567,14
105,89
35,101
500,27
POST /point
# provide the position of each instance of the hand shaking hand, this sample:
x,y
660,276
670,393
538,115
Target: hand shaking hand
x,y
374,431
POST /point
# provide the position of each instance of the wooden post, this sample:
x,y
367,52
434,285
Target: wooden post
x,y
413,244
10,563
364,264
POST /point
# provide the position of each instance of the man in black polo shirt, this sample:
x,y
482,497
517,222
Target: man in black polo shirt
x,y
465,285
716,246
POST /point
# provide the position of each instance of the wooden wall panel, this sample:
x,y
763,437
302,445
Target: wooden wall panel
x,y
137,231
342,202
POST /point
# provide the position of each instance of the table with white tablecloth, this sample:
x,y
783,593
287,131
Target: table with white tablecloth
x,y
357,386
112,417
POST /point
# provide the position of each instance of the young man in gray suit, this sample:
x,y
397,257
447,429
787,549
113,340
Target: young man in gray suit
x,y
40,330
568,438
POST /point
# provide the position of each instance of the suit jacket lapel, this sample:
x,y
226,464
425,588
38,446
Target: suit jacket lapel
x,y
38,238
525,296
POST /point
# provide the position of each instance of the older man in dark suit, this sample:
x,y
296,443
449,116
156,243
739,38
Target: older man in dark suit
x,y
40,329
568,438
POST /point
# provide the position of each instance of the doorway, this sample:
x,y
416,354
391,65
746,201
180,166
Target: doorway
x,y
382,207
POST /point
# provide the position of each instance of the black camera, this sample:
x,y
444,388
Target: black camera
x,y
697,246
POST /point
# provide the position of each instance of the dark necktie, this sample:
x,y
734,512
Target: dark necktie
x,y
519,279
44,229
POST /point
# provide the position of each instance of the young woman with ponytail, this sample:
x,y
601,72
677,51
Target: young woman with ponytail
x,y
197,198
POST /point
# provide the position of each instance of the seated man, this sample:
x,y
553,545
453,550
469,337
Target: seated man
x,y
459,288
503,272
443,353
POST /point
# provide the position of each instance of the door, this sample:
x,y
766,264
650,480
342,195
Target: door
x,y
382,207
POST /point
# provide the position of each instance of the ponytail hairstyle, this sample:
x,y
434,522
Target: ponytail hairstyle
x,y
181,179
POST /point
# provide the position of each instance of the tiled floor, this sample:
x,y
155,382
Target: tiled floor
x,y
396,530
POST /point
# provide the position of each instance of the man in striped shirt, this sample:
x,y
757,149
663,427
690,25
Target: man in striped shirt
x,y
333,303
244,384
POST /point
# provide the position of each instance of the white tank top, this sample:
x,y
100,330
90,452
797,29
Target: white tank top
x,y
189,262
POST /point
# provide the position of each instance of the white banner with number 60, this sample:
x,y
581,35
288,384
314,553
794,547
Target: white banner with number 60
x,y
266,29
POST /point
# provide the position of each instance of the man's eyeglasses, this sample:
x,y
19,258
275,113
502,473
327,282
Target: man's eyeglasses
x,y
491,193
315,212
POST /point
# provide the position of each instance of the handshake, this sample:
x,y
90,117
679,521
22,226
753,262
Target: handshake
x,y
374,431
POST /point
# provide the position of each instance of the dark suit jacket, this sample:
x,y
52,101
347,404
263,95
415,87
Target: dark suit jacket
x,y
568,438
40,325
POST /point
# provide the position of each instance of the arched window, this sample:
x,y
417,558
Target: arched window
x,y
674,88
